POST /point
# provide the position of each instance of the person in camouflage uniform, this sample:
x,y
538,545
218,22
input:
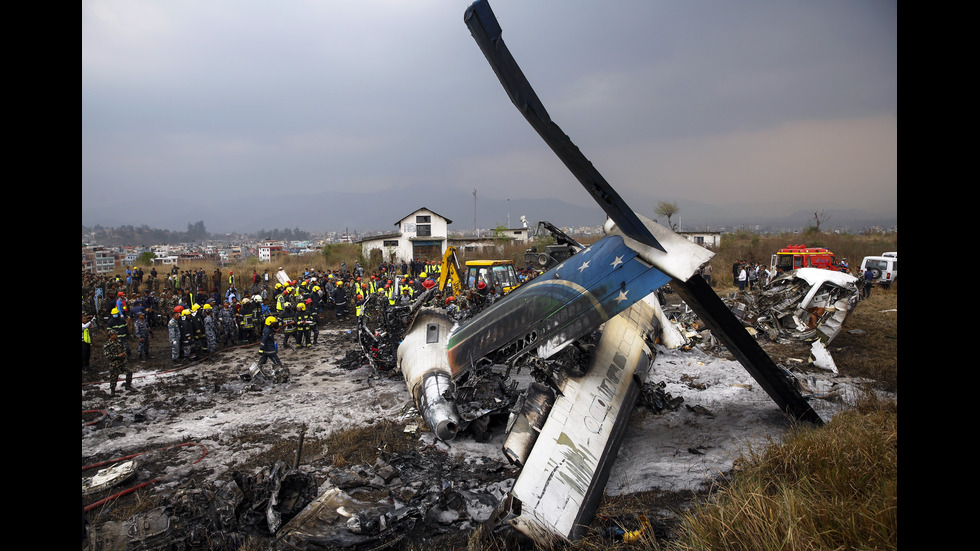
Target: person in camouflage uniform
x,y
143,334
173,335
226,318
115,353
210,329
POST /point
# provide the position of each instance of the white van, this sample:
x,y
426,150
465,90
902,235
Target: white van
x,y
884,268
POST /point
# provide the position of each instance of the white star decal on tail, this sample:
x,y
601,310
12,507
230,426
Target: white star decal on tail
x,y
616,262
583,266
621,297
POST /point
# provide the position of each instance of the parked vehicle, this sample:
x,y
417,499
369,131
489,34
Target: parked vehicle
x,y
884,268
794,257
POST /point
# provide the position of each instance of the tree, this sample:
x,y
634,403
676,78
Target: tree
x,y
145,258
819,217
667,209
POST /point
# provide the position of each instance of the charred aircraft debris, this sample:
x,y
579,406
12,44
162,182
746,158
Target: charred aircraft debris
x,y
582,334
560,362
802,305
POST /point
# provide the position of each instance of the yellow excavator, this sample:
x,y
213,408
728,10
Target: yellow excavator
x,y
497,274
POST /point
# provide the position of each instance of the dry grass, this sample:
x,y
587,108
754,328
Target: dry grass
x,y
868,345
362,444
834,487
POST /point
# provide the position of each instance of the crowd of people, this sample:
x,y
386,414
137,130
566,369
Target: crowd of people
x,y
206,312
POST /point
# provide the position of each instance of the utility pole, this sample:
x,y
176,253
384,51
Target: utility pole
x,y
474,214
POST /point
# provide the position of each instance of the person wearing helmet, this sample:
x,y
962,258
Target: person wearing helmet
x,y
359,306
186,334
314,320
210,329
121,304
120,326
268,349
199,342
302,326
340,301
246,322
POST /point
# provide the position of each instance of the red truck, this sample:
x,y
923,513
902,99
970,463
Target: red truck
x,y
801,256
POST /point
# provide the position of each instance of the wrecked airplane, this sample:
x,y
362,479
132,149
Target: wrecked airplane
x,y
585,331
801,305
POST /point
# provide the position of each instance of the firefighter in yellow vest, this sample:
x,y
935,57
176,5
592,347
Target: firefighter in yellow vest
x,y
86,341
359,306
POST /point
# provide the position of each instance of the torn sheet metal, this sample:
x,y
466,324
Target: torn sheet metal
x,y
564,475
557,307
108,477
801,305
821,356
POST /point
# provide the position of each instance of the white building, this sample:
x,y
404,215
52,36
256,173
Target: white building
x,y
706,239
421,235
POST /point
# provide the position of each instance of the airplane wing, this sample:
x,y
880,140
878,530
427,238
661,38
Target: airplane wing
x,y
639,235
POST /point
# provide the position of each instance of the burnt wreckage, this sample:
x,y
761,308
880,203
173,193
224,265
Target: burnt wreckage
x,y
585,331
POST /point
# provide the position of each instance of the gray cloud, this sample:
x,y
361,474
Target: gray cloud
x,y
715,101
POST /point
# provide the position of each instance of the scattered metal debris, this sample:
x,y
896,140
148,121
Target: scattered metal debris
x,y
799,306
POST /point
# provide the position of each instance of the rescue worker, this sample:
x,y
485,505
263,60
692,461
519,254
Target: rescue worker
x,y
86,341
173,334
229,326
115,353
340,301
267,346
302,326
186,334
246,321
199,343
288,320
143,333
210,329
314,320
359,307
118,325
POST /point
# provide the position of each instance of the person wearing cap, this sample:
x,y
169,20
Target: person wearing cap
x,y
226,319
142,331
173,334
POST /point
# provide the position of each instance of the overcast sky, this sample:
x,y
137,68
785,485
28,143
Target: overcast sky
x,y
741,104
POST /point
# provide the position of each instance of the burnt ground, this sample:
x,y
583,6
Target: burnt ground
x,y
205,433
203,427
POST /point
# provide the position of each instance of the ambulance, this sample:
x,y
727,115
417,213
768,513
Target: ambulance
x,y
800,256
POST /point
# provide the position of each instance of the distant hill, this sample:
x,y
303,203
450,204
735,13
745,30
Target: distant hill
x,y
340,211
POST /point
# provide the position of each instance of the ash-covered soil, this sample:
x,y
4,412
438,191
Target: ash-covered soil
x,y
211,443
